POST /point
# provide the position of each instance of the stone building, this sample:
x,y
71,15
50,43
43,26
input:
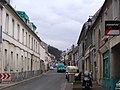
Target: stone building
x,y
102,49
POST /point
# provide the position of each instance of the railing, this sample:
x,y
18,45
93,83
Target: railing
x,y
18,76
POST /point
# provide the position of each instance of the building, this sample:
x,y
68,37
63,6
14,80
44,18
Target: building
x,y
99,52
20,47
70,56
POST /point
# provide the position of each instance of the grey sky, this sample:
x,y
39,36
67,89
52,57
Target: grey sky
x,y
58,21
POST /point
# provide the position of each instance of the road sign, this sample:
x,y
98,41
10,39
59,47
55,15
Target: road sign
x,y
4,76
112,28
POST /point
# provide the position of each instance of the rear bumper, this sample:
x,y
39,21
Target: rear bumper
x,y
60,70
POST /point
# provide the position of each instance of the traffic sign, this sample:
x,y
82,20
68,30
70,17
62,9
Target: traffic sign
x,y
4,76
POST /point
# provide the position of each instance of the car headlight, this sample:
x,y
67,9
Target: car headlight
x,y
76,74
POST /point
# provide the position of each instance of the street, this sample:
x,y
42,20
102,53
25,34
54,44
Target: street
x,y
49,81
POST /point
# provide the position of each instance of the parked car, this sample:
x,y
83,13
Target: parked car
x,y
72,71
51,68
117,87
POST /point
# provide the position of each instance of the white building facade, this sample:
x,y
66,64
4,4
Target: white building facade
x,y
19,45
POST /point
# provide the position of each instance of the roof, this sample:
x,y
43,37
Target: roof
x,y
6,5
97,15
23,15
34,27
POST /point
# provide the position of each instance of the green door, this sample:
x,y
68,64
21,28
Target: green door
x,y
106,69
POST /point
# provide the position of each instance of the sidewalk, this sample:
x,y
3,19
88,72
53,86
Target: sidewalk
x,y
77,86
9,84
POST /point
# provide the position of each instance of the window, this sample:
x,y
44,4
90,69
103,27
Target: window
x,y
23,36
28,64
29,41
7,23
32,43
36,46
22,63
5,64
99,37
18,33
11,67
26,38
116,9
25,63
16,62
31,64
13,27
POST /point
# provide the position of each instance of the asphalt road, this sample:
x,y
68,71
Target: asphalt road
x,y
50,81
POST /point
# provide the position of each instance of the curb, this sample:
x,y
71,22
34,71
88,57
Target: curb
x,y
16,83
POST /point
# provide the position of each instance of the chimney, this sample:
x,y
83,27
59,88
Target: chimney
x,y
9,1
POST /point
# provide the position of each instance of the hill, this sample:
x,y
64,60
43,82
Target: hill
x,y
54,51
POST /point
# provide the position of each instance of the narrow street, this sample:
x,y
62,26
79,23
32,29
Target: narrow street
x,y
49,81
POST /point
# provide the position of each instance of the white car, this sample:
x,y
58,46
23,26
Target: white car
x,y
117,87
51,68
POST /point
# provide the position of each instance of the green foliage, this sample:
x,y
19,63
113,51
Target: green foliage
x,y
54,51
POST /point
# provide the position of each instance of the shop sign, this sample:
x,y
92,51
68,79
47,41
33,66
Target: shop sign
x,y
112,28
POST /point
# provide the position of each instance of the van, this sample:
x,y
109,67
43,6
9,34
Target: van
x,y
72,73
61,67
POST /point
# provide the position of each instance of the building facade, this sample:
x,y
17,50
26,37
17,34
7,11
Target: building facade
x,y
98,52
20,47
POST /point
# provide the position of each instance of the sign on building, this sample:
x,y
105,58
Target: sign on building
x,y
112,28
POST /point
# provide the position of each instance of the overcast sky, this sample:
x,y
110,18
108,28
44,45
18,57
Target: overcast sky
x,y
58,22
